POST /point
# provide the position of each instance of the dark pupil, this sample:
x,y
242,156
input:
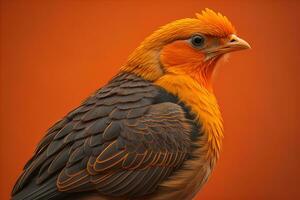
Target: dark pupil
x,y
198,40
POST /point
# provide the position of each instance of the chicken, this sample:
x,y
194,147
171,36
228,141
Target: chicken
x,y
153,132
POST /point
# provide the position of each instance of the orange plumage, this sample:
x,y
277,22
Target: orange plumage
x,y
153,132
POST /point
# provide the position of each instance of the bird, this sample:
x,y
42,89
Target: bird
x,y
153,132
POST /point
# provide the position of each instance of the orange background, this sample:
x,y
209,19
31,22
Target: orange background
x,y
56,53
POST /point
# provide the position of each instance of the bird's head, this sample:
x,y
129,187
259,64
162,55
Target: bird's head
x,y
191,46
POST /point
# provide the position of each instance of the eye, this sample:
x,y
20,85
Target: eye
x,y
197,41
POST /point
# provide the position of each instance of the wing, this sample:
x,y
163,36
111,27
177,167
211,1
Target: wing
x,y
123,141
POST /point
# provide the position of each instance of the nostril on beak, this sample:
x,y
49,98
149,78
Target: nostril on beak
x,y
233,40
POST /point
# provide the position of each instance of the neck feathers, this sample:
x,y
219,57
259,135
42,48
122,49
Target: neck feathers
x,y
202,103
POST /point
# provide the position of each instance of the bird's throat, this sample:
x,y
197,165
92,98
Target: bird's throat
x,y
201,73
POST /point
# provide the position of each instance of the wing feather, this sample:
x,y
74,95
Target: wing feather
x,y
122,142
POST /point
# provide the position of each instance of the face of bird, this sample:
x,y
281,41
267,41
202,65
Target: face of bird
x,y
198,54
201,44
190,46
200,48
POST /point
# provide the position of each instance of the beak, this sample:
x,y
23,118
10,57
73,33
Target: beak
x,y
233,44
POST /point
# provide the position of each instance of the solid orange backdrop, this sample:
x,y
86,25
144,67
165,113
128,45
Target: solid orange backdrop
x,y
56,53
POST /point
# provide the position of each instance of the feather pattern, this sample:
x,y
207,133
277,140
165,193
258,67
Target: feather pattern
x,y
122,141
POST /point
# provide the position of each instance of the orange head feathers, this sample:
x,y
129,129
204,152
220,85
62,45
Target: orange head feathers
x,y
215,24
190,46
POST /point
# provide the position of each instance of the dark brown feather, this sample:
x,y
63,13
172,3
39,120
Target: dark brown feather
x,y
122,141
